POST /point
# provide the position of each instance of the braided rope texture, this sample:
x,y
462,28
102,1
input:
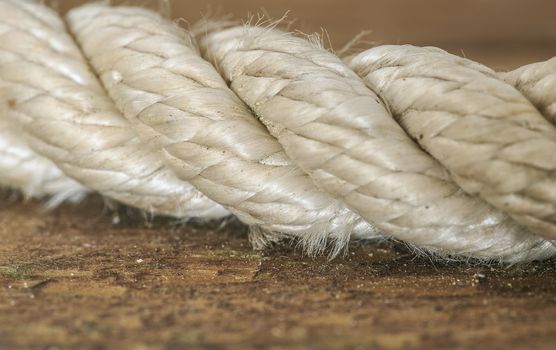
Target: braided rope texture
x,y
406,142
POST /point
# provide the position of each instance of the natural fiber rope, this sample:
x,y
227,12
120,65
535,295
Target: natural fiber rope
x,y
161,123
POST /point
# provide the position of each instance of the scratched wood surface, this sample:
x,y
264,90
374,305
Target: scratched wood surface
x,y
86,277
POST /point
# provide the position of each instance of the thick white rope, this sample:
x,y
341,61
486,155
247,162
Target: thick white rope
x,y
340,132
492,139
162,124
178,102
48,89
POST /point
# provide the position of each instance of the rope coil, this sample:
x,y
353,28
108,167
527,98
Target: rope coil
x,y
413,143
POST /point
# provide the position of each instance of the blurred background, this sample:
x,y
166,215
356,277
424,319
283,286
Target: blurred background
x,y
503,34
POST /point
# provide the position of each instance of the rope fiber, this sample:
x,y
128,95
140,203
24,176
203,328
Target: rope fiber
x,y
406,142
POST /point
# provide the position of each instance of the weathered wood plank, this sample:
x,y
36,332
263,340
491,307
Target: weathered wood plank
x,y
74,279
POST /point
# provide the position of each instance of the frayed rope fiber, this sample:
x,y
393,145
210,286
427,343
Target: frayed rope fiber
x,y
405,142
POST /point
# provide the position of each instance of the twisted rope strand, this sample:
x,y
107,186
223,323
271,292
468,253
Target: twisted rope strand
x,y
280,132
492,139
177,101
66,116
537,82
342,135
35,176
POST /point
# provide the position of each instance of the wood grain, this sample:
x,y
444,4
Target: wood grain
x,y
74,279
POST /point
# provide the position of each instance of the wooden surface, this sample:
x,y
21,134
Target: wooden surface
x,y
73,279
82,277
